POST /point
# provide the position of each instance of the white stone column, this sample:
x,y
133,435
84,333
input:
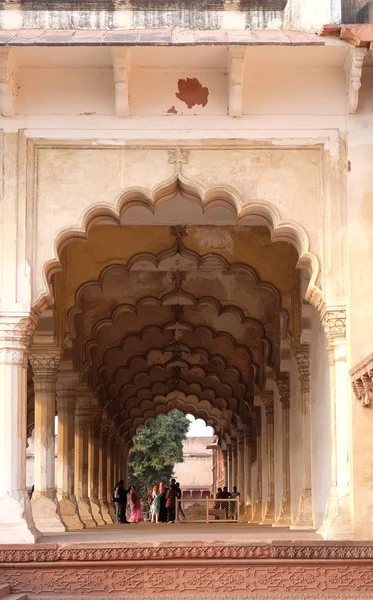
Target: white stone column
x,y
269,511
304,519
16,522
258,505
247,499
110,471
337,522
82,423
94,443
234,463
103,494
45,360
66,402
230,471
284,518
240,470
225,463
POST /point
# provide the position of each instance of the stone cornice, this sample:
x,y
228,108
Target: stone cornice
x,y
362,380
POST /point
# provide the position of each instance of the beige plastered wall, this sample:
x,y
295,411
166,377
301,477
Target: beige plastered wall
x,y
360,308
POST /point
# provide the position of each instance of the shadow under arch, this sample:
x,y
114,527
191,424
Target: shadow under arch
x,y
244,213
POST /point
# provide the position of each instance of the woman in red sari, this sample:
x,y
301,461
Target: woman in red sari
x,y
135,504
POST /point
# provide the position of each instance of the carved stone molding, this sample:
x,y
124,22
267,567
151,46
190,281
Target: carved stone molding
x,y
236,64
121,61
45,365
269,405
362,381
302,356
6,83
16,331
283,384
334,323
353,69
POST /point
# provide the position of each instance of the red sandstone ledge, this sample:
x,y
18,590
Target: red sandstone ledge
x,y
284,550
157,37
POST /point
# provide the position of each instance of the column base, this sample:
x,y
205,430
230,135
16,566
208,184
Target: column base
x,y
257,511
16,523
105,513
70,514
46,513
96,511
269,512
248,513
304,519
284,519
85,513
337,524
112,512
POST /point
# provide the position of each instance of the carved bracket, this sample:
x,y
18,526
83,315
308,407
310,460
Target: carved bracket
x,y
362,381
236,64
6,83
121,67
353,68
283,384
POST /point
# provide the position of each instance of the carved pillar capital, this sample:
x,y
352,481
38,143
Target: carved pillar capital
x,y
283,384
45,363
302,356
334,323
15,338
268,401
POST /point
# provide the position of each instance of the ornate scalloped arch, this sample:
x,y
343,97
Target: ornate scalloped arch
x,y
253,213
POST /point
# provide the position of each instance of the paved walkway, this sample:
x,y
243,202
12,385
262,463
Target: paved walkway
x,y
155,534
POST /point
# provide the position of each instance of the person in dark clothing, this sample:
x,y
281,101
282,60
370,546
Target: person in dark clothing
x,y
171,501
179,495
225,505
163,509
219,494
120,499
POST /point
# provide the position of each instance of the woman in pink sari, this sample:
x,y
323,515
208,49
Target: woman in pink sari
x,y
135,504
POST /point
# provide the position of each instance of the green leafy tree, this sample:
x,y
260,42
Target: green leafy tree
x,y
157,448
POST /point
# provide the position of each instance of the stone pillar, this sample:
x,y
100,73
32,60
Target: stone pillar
x,y
284,518
269,511
110,472
82,423
16,522
230,471
94,442
45,510
240,470
304,519
103,494
234,463
247,501
225,463
258,506
66,400
337,522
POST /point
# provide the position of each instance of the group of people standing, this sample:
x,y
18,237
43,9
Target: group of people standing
x,y
161,501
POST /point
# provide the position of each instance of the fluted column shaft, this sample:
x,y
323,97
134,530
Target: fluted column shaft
x,y
82,424
269,512
225,463
103,488
283,384
93,467
66,403
247,477
234,463
258,506
16,521
337,522
240,469
230,469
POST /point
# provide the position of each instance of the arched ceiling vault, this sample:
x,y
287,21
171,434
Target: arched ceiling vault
x,y
183,321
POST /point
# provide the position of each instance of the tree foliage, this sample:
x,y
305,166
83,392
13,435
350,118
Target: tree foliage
x,y
157,448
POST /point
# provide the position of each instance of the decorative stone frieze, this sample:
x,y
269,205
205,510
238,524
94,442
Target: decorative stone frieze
x,y
362,381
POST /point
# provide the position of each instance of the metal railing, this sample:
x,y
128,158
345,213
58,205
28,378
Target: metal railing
x,y
208,510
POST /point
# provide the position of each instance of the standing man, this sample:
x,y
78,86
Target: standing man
x,y
171,501
120,499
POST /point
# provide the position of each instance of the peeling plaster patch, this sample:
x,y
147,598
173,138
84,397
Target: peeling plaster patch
x,y
192,92
212,240
172,111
